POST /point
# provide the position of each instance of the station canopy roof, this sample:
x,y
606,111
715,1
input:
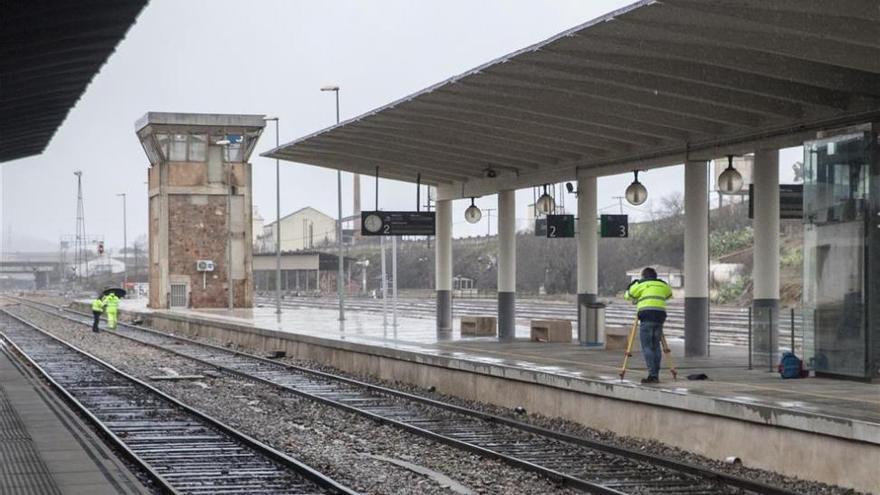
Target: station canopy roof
x,y
641,87
49,52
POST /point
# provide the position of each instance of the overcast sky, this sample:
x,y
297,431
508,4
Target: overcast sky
x,y
271,57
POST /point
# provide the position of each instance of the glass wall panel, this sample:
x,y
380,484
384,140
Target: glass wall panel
x,y
162,139
178,148
836,209
198,144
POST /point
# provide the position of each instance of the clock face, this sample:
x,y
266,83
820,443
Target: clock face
x,y
373,223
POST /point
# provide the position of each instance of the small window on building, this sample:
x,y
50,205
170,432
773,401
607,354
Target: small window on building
x,y
178,148
197,147
233,152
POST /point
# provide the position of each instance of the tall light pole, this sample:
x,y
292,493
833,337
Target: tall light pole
x,y
124,242
277,222
339,280
229,288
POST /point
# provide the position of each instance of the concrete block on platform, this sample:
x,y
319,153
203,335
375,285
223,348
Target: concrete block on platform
x,y
616,337
479,326
551,331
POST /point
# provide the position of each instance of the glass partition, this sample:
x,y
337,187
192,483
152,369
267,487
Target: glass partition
x,y
836,211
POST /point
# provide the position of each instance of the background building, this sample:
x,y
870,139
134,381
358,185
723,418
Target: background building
x,y
303,273
306,228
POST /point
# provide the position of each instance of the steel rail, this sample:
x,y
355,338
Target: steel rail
x,y
290,468
671,464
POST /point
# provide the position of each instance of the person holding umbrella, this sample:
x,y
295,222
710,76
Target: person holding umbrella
x,y
111,303
97,309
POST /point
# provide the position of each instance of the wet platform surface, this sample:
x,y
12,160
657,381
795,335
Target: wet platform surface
x,y
729,381
44,449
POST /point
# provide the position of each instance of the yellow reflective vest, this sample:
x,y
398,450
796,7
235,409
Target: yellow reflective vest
x,y
649,294
111,302
97,306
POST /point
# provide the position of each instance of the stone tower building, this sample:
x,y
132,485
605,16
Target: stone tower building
x,y
200,208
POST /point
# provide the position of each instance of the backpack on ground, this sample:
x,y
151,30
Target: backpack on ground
x,y
791,366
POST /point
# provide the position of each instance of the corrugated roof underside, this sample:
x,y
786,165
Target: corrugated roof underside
x,y
49,52
655,77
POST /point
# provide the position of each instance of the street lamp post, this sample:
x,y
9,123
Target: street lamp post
x,y
124,242
229,289
277,222
339,275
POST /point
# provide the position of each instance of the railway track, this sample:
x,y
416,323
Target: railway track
x,y
180,449
728,326
577,462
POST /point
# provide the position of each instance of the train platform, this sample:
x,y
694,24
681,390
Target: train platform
x,y
45,448
749,413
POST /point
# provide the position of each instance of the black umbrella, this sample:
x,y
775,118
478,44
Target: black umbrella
x,y
120,293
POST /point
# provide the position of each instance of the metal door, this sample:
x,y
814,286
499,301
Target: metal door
x,y
178,295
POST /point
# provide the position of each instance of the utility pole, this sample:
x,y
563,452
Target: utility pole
x,y
339,274
619,201
277,222
224,143
80,238
124,242
489,220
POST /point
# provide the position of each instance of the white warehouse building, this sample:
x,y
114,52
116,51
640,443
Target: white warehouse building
x,y
306,228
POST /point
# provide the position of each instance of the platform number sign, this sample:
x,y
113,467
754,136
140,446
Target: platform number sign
x,y
398,223
560,226
614,226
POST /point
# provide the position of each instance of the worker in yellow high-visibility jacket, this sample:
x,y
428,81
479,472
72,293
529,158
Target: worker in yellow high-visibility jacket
x,y
650,295
111,303
97,310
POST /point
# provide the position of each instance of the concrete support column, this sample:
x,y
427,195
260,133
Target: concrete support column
x,y
696,259
587,248
765,275
506,265
443,268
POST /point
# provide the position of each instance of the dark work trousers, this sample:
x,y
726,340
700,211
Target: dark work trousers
x,y
649,335
97,315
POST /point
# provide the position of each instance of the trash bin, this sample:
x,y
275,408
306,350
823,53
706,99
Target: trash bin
x,y
591,324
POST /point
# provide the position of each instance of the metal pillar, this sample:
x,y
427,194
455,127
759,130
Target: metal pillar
x,y
394,281
229,280
277,226
443,268
124,241
587,248
506,265
696,259
765,274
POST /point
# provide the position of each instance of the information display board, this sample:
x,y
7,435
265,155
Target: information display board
x,y
398,223
614,225
791,201
559,226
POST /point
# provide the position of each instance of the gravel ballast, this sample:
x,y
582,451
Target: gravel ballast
x,y
369,457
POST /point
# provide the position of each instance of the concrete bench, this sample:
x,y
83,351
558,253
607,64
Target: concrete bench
x,y
615,339
551,331
479,326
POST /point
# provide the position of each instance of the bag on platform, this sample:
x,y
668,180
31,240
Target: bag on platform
x,y
790,366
